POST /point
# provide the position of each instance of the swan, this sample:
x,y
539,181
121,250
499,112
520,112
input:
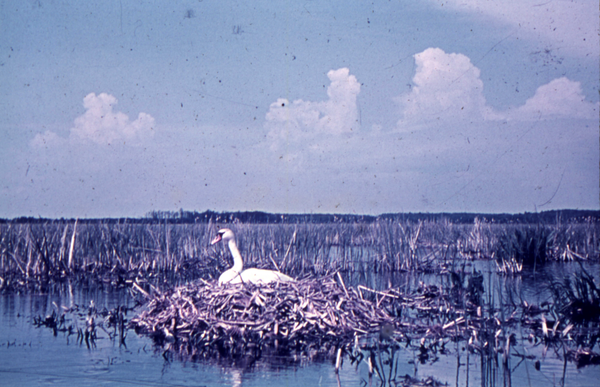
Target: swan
x,y
236,274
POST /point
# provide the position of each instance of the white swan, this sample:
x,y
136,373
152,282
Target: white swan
x,y
236,274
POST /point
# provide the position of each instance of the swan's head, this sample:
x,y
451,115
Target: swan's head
x,y
223,234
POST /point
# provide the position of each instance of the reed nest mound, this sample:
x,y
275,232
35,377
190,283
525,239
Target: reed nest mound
x,y
320,317
305,315
309,317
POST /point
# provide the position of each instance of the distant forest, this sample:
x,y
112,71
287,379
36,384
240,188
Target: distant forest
x,y
187,217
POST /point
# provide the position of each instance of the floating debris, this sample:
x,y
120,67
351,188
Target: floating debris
x,y
85,322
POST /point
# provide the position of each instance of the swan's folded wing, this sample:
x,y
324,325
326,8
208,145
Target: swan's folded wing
x,y
257,276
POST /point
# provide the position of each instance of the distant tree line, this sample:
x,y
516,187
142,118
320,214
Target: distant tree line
x,y
187,217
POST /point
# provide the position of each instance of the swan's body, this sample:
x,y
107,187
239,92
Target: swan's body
x,y
236,274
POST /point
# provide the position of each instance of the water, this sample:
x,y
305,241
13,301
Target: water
x,y
32,356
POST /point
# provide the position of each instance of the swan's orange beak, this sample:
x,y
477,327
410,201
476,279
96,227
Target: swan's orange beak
x,y
217,239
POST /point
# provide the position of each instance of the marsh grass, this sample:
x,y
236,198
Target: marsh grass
x,y
577,297
108,252
533,245
120,251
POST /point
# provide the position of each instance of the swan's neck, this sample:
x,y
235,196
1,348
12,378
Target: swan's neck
x,y
238,264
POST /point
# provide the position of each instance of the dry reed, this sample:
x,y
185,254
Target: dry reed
x,y
119,252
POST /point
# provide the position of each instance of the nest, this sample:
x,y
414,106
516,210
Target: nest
x,y
322,318
310,315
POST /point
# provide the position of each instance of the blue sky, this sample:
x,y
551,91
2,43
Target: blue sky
x,y
118,108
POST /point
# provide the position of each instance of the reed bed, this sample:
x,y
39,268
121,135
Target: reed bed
x,y
119,252
39,253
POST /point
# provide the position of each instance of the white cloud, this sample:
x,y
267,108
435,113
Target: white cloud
x,y
303,120
101,125
446,86
340,113
559,98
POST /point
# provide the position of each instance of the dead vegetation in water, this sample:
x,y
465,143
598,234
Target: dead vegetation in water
x,y
567,323
86,322
307,318
322,318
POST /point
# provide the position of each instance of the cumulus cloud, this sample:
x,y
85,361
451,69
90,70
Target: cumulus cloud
x,y
447,88
444,86
100,124
561,98
302,120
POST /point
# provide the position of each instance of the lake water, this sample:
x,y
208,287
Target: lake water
x,y
34,356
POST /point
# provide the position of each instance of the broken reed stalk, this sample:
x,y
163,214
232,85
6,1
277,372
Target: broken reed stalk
x,y
338,360
72,247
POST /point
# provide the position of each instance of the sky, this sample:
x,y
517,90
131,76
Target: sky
x,y
118,108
